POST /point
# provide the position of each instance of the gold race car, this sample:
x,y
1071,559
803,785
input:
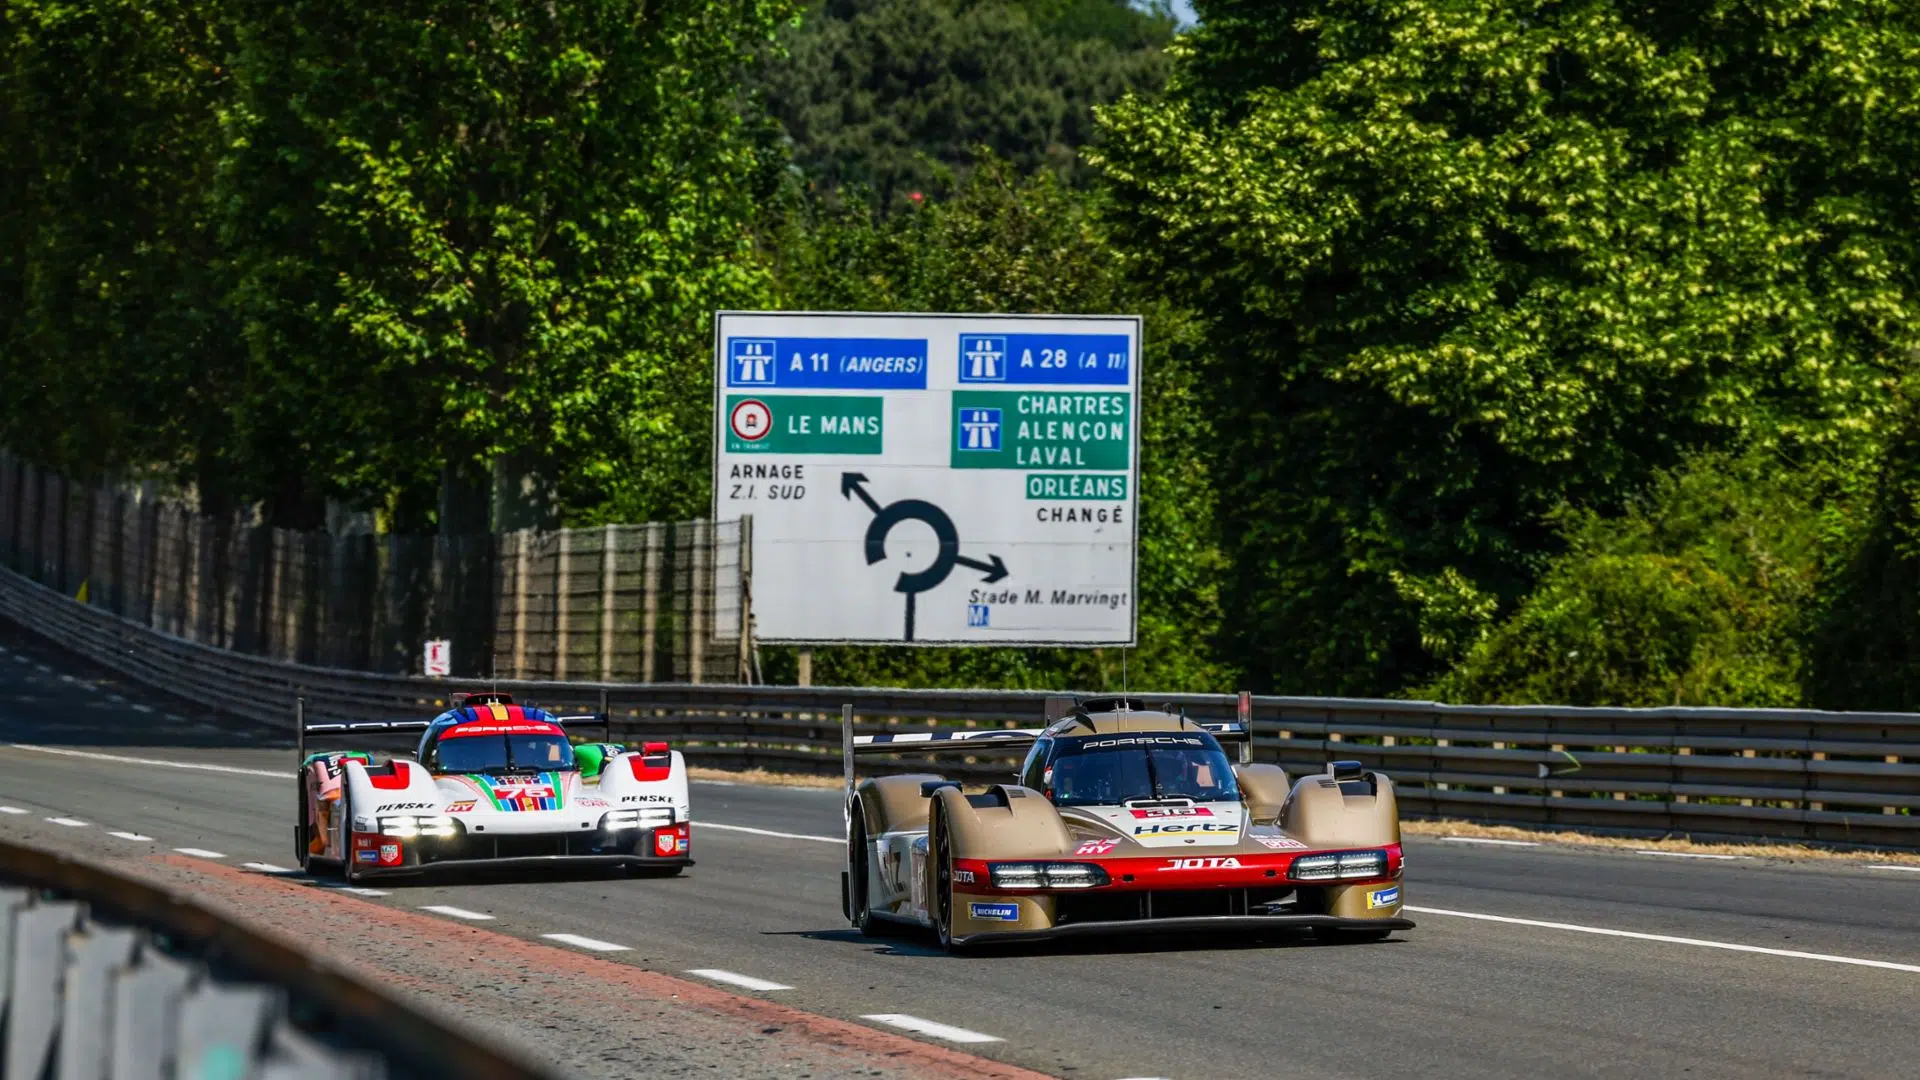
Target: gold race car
x,y
1121,820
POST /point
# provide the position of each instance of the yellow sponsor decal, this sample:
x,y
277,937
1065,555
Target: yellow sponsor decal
x,y
1379,898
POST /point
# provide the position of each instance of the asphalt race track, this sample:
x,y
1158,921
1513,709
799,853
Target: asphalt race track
x,y
1632,978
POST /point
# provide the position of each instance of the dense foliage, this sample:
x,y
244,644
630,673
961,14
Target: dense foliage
x,y
1471,262
1497,349
895,96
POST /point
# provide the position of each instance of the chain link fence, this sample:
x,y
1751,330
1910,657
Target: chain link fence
x,y
660,602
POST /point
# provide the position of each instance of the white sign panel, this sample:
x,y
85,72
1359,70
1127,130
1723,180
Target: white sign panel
x,y
933,479
439,658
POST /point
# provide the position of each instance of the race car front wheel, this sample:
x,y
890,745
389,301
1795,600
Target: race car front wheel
x,y
349,865
940,896
859,906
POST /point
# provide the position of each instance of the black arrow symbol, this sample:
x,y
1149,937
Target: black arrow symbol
x,y
994,570
850,485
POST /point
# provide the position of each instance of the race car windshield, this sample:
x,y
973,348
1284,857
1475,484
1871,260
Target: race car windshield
x,y
504,753
1107,770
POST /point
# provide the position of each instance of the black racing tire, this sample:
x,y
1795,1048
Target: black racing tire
x,y
940,889
302,829
1343,936
858,901
349,866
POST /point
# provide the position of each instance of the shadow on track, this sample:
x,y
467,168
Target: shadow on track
x,y
906,941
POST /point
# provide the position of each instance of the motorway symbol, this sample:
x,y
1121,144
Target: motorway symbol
x,y
751,420
886,517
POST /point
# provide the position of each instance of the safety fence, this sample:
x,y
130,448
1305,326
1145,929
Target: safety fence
x,y
106,977
660,602
1796,774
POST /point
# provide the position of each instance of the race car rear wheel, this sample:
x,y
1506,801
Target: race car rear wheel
x,y
859,906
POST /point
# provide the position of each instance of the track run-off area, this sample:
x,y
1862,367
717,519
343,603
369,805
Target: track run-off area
x,y
1527,961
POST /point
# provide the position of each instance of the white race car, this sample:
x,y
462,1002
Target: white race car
x,y
491,783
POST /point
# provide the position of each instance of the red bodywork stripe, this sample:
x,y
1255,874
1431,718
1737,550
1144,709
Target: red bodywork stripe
x,y
1183,870
530,727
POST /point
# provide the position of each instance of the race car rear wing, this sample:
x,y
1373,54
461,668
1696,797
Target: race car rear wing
x,y
302,729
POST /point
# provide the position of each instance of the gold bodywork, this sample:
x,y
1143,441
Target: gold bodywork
x,y
902,864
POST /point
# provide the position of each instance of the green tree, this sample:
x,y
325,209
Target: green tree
x,y
1699,593
1864,645
1471,260
894,95
490,232
1026,244
118,349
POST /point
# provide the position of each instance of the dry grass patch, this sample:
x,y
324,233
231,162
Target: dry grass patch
x,y
1677,845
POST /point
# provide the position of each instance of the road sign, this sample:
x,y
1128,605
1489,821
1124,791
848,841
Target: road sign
x,y
933,479
439,658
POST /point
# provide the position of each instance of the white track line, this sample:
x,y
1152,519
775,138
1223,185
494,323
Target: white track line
x,y
1489,840
928,1027
203,767
71,823
199,853
13,810
1892,866
585,943
1669,939
456,912
736,979
1689,855
134,836
770,832
267,868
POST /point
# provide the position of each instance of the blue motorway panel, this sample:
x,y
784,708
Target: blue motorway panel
x,y
1052,359
827,363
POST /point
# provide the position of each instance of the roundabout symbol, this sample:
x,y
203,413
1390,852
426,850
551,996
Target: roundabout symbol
x,y
751,420
886,517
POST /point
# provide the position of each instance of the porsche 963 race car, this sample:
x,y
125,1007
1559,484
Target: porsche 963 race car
x,y
1121,820
493,783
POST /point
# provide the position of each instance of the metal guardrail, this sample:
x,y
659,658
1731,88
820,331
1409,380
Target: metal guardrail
x,y
1778,773
105,977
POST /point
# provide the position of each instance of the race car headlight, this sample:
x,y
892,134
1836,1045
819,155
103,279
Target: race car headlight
x,y
1059,875
637,817
1349,864
405,825
1363,864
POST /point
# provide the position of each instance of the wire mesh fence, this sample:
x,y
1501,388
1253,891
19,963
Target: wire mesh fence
x,y
659,602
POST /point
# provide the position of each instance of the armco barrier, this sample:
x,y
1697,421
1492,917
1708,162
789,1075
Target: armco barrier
x,y
1781,773
105,977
